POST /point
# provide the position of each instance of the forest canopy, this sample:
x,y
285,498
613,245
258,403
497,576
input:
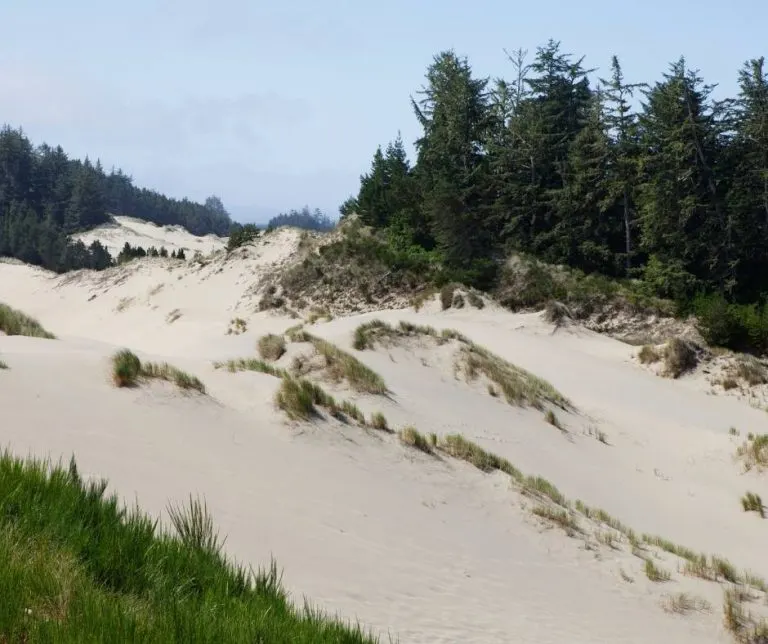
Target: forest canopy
x,y
657,181
45,196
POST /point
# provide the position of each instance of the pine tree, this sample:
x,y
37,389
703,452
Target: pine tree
x,y
624,151
684,226
451,167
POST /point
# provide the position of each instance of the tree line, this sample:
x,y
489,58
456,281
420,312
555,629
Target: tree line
x,y
657,181
45,196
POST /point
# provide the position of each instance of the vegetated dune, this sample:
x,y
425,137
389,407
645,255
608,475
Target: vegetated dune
x,y
423,546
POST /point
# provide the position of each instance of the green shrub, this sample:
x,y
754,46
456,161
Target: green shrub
x,y
742,327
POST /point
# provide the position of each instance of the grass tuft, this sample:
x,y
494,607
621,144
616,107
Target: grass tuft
x,y
412,437
3,365
561,517
271,346
126,368
654,573
683,603
195,526
459,447
13,322
379,421
251,364
344,366
754,452
648,355
752,502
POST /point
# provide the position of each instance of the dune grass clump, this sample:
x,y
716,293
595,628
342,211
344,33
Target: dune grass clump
x,y
412,437
298,397
648,354
559,516
366,334
459,447
753,453
3,365
679,357
751,370
379,421
683,603
13,322
126,368
654,573
77,567
353,411
271,346
128,371
520,387
752,502
251,364
169,373
341,365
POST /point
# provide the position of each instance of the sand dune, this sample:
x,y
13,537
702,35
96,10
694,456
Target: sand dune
x,y
427,548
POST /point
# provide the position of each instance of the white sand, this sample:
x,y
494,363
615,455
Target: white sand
x,y
138,232
431,549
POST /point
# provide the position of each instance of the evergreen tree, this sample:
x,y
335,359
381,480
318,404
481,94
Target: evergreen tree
x,y
451,168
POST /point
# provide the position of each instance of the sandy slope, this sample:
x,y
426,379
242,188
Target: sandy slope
x,y
431,549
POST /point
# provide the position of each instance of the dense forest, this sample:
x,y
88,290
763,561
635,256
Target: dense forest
x,y
45,196
654,181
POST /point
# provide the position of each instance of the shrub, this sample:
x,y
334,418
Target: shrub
x,y
13,322
126,368
446,296
271,346
648,355
411,436
475,300
679,357
742,327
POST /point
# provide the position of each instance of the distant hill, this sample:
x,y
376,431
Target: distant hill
x,y
46,197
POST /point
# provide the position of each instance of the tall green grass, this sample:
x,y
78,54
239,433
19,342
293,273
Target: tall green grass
x,y
13,322
76,567
128,371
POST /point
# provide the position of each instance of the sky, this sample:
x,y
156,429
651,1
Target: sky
x,y
274,105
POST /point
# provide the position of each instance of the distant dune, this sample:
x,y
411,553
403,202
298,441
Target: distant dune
x,y
138,232
421,545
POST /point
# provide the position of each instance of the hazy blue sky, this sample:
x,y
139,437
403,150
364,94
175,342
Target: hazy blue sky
x,y
272,108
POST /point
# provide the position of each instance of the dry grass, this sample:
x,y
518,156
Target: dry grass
x,y
412,437
446,296
680,356
751,370
251,364
237,326
560,517
297,334
752,502
128,370
753,452
684,603
271,346
13,322
557,313
319,314
648,354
